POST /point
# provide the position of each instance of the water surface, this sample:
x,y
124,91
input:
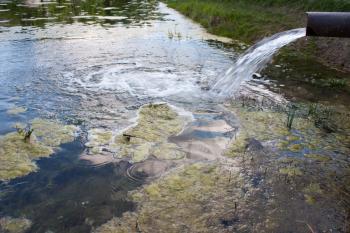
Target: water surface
x,y
93,64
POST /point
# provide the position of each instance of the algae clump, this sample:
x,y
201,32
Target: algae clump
x,y
295,148
16,110
317,157
53,133
291,171
156,123
17,153
310,193
97,139
189,199
14,225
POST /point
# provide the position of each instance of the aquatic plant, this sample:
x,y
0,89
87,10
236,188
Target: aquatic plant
x,y
175,203
311,192
334,84
272,130
98,138
16,110
290,116
328,118
53,133
155,124
318,157
312,109
16,155
295,148
18,150
174,34
14,225
291,171
205,197
26,132
324,119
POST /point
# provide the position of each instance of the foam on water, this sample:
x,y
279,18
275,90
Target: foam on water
x,y
254,60
141,81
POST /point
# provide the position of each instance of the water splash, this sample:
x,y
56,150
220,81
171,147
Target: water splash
x,y
253,61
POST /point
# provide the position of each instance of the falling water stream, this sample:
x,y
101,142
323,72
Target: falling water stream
x,y
253,60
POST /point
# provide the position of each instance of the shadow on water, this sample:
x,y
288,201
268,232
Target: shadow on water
x,y
66,195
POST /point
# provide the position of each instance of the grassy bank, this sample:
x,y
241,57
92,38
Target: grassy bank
x,y
307,5
317,66
239,20
251,20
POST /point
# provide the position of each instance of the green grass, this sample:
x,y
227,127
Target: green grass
x,y
251,20
307,5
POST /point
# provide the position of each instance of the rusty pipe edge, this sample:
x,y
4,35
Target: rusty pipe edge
x,y
328,24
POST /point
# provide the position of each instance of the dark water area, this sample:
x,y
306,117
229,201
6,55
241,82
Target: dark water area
x,y
67,195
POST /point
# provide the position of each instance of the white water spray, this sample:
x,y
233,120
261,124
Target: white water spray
x,y
254,60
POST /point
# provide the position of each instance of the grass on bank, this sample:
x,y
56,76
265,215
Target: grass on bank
x,y
306,5
251,20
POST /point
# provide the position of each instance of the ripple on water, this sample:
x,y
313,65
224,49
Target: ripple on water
x,y
148,169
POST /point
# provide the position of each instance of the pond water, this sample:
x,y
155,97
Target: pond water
x,y
92,64
98,65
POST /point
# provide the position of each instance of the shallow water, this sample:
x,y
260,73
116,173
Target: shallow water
x,y
158,55
94,64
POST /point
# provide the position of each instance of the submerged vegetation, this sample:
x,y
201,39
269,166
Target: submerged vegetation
x,y
155,124
291,115
264,159
221,197
304,138
16,110
19,150
14,225
196,198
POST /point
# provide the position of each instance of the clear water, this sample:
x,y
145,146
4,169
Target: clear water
x,y
93,64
